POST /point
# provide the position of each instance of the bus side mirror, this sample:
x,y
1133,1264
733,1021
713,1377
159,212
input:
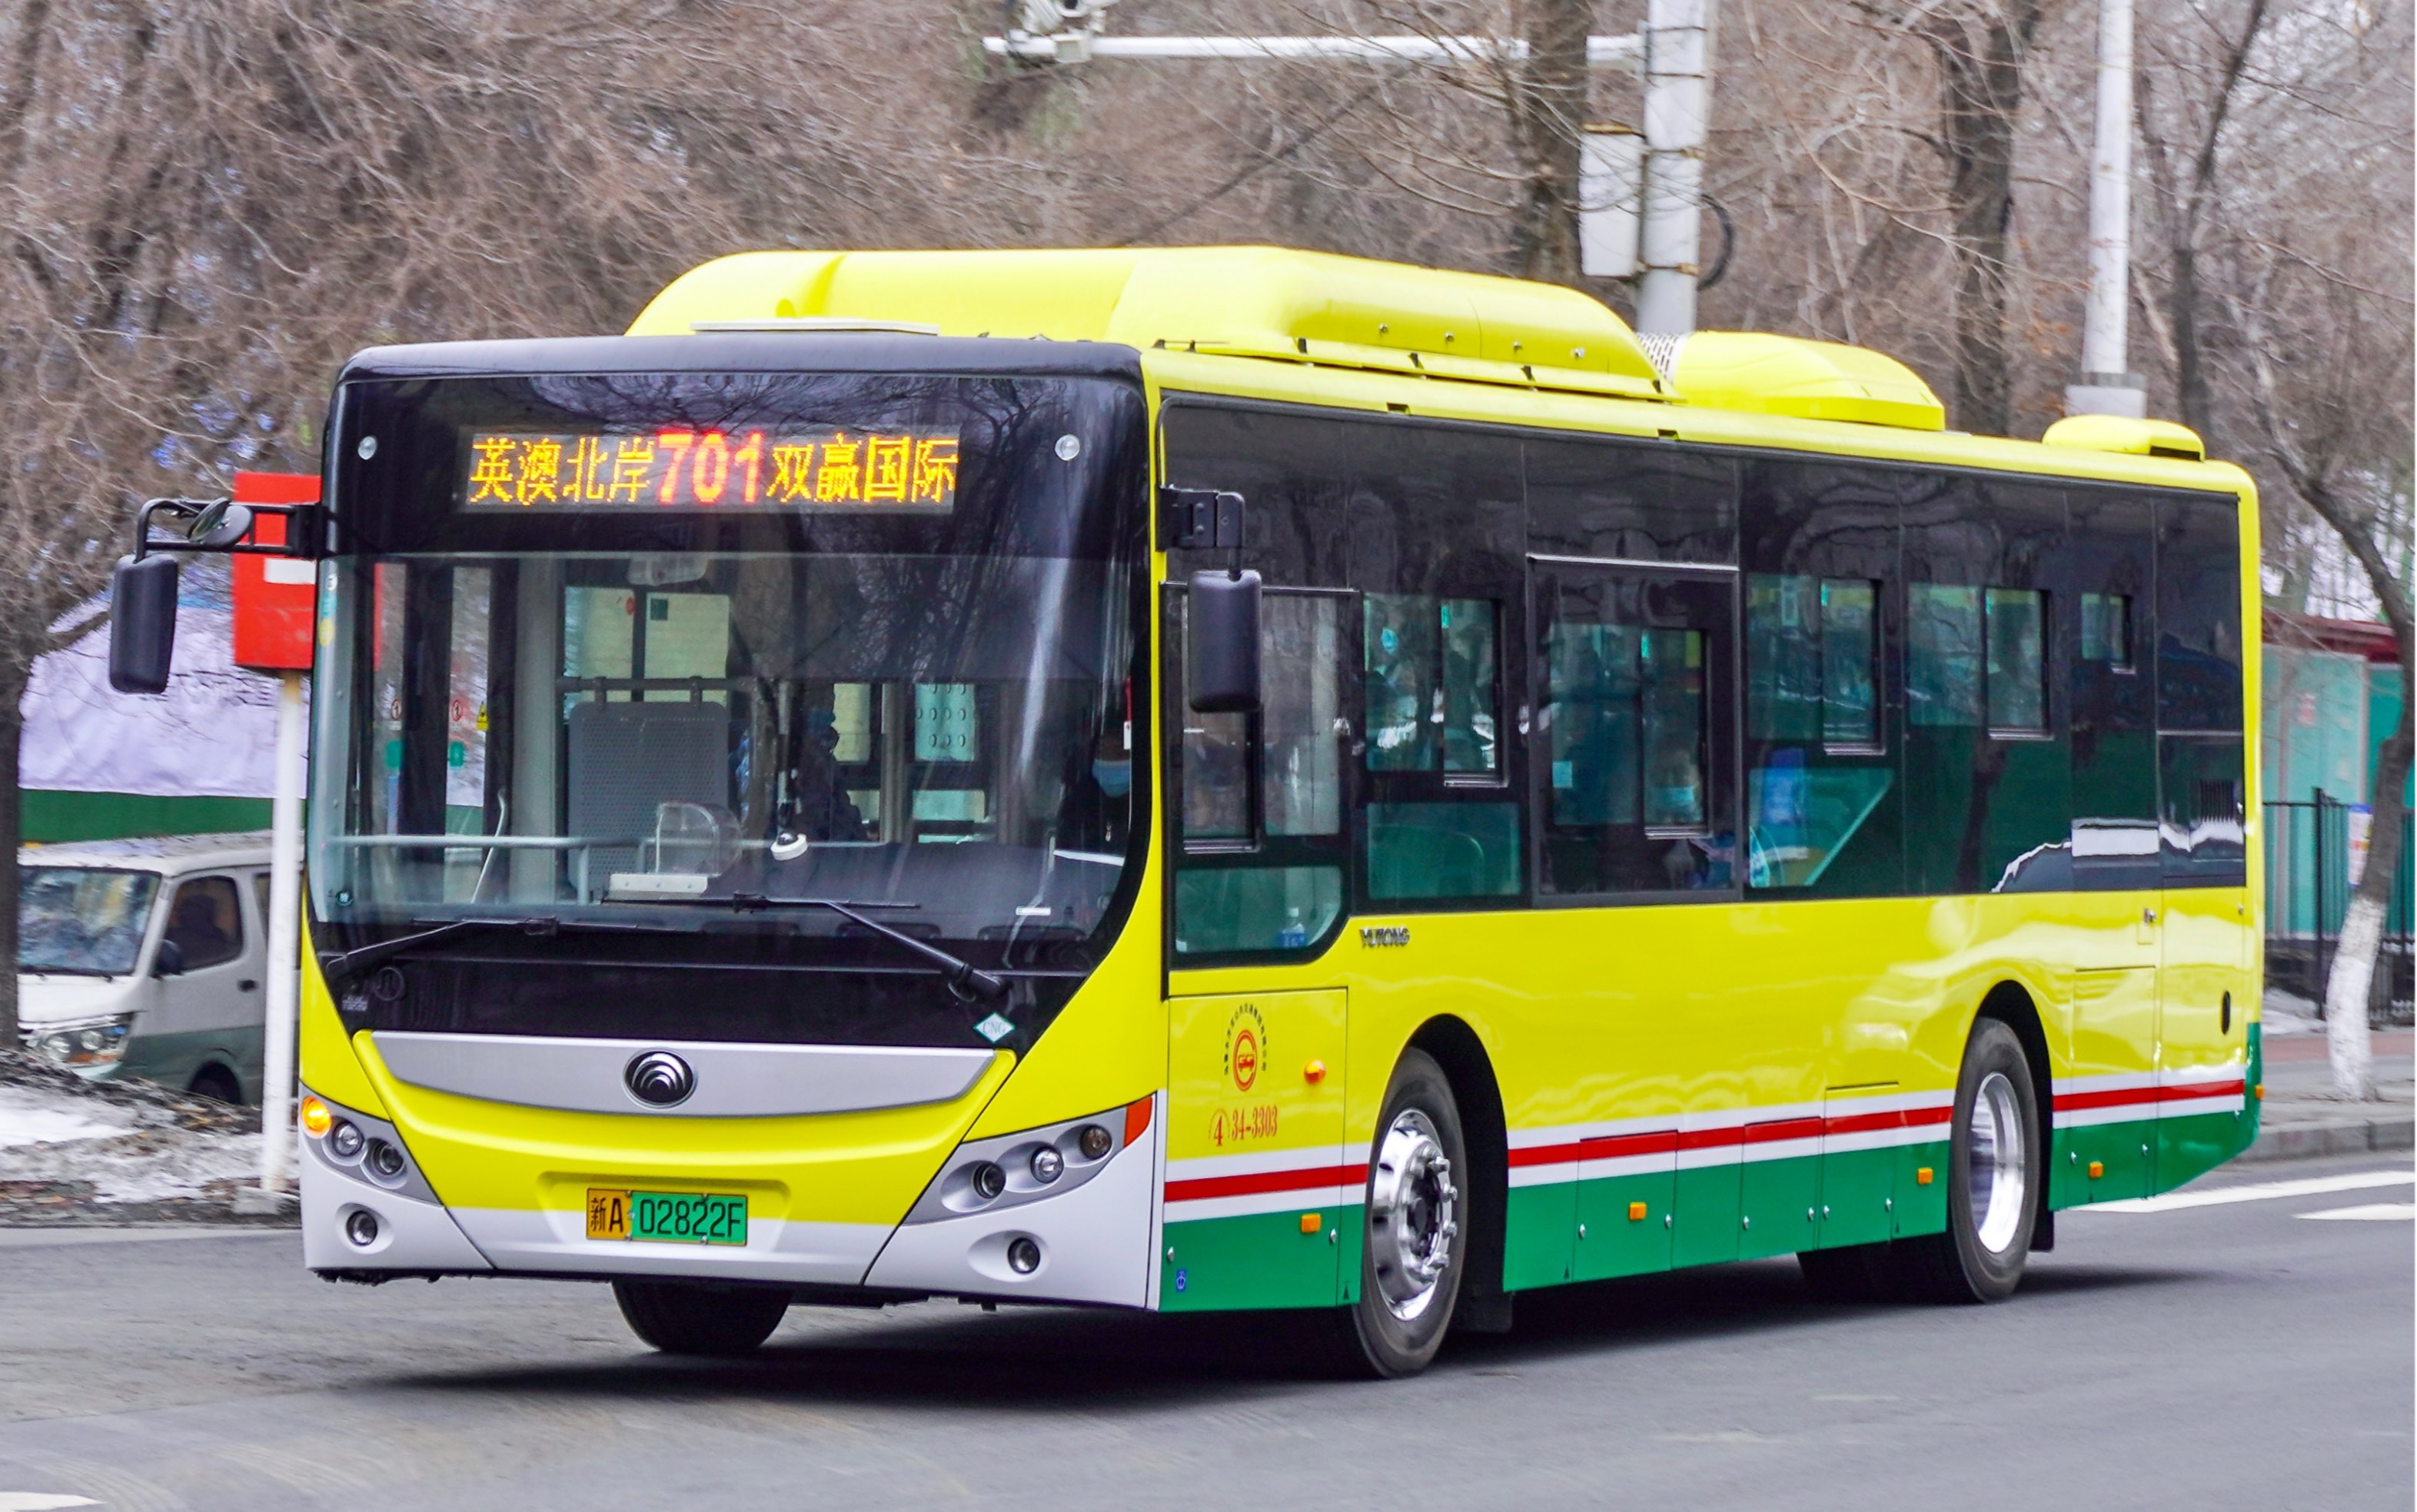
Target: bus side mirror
x,y
1221,650
169,960
142,624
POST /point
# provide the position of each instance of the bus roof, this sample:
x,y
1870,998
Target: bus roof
x,y
1296,307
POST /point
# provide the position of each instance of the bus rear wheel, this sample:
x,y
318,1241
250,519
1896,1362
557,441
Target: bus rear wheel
x,y
1413,1247
686,1318
1996,1166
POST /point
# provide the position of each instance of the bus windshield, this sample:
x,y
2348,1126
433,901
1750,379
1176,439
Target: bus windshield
x,y
692,652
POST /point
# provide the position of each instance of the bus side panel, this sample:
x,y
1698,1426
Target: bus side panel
x,y
2203,1035
1260,1193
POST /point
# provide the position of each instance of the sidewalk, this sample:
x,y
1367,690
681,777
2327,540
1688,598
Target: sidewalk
x,y
2302,1116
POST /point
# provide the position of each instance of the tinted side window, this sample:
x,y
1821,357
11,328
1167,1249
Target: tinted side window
x,y
1633,730
1260,842
206,923
2102,598
1987,779
1823,803
1630,501
1291,469
1438,534
2198,689
2199,614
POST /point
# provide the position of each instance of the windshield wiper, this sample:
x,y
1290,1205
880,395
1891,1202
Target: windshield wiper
x,y
964,977
341,963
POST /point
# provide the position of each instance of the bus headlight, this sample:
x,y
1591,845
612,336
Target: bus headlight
x,y
988,1174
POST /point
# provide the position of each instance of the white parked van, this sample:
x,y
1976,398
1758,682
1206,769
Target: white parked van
x,y
146,957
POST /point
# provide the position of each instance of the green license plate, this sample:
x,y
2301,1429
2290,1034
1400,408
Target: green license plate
x,y
678,1218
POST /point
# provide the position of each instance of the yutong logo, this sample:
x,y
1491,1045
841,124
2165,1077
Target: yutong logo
x,y
1385,934
1246,1046
660,1078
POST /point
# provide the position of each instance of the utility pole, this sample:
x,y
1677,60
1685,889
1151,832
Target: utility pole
x,y
1641,203
1678,47
2108,386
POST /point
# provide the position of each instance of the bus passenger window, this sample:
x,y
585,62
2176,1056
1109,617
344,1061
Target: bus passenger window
x,y
1263,794
1813,660
1216,777
1942,673
2018,660
1850,664
1404,703
1299,759
1468,697
1635,799
2107,629
1433,687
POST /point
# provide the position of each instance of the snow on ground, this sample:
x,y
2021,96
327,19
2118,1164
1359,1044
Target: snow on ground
x,y
127,1153
31,1118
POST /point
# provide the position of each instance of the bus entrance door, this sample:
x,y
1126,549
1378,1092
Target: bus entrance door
x,y
1262,1202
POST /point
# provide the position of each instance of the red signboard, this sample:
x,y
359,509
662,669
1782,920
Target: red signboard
x,y
276,598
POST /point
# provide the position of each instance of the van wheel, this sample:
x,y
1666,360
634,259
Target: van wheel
x,y
215,1080
1994,1169
1413,1247
683,1318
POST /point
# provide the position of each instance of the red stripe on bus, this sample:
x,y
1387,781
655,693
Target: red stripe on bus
x,y
2191,1090
2119,1098
1548,1155
1201,1187
1862,1123
1783,1128
1612,1147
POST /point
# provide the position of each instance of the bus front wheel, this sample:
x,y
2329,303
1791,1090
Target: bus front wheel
x,y
681,1318
1414,1239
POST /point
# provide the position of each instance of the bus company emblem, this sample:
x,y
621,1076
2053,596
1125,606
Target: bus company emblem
x,y
660,1079
1379,935
1246,1046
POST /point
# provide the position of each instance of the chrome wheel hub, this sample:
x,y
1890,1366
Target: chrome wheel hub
x,y
2000,1174
1413,1215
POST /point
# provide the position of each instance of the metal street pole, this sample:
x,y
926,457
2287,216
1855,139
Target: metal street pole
x,y
1677,93
2108,386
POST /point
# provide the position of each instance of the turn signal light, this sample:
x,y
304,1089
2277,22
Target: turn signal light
x,y
315,1116
1921,1176
2097,1169
1636,1211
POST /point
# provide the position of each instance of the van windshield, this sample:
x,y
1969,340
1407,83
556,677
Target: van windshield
x,y
82,921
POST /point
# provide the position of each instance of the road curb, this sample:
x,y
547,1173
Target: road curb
x,y
2348,1136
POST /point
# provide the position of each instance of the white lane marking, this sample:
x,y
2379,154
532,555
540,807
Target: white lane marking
x,y
2261,1192
40,1501
2369,1212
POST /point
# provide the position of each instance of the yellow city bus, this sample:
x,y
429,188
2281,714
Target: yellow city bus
x,y
1221,778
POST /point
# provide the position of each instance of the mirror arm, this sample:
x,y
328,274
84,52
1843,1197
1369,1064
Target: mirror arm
x,y
301,528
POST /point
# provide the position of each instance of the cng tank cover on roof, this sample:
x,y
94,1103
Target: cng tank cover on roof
x,y
1294,307
1244,302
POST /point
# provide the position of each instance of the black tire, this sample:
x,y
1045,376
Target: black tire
x,y
216,1082
685,1318
1386,1334
1965,1265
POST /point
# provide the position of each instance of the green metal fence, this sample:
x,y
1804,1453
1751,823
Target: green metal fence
x,y
2307,891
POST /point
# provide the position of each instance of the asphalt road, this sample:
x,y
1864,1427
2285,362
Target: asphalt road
x,y
2233,1354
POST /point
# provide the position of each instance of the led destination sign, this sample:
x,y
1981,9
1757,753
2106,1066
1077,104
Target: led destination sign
x,y
674,469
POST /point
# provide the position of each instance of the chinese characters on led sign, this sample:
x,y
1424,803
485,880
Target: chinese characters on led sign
x,y
709,470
